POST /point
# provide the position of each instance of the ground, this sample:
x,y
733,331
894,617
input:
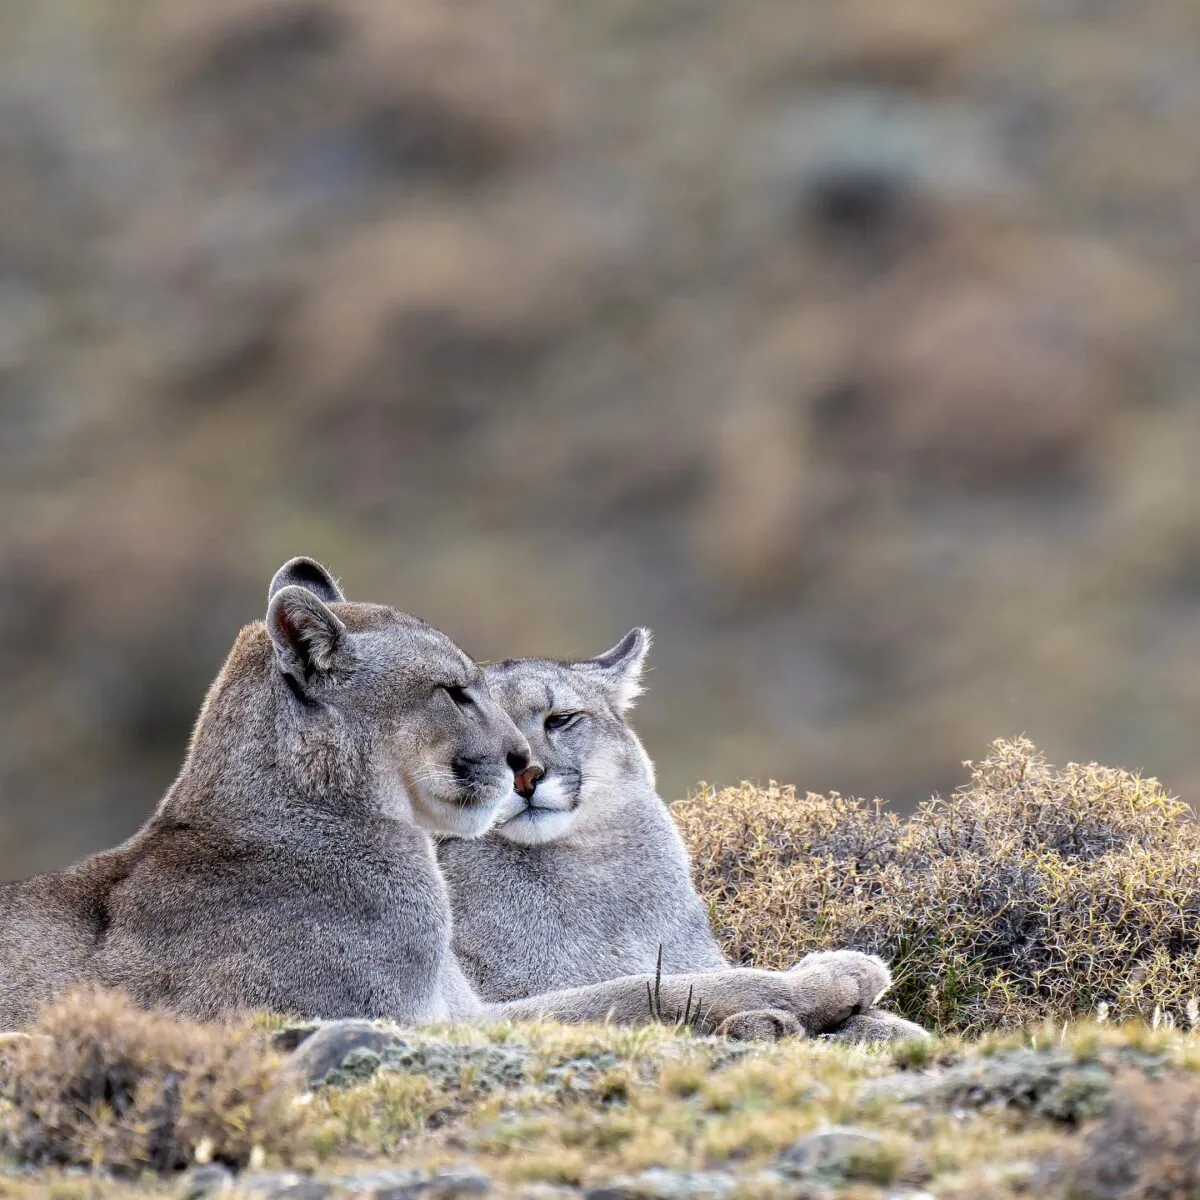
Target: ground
x,y
1041,920
547,1111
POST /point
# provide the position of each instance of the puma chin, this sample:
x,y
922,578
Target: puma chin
x,y
548,815
460,798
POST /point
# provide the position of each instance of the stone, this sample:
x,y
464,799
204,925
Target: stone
x,y
327,1049
290,1037
287,1185
211,1179
660,1184
409,1185
342,1053
827,1151
1049,1083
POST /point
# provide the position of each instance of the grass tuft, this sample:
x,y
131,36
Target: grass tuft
x,y
101,1082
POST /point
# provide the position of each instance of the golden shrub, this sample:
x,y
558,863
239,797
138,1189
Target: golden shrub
x,y
1031,893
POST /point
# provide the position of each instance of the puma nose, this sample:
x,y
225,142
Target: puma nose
x,y
518,761
525,783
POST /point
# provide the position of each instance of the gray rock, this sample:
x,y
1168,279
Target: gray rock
x,y
447,1185
1049,1083
342,1053
209,1180
409,1185
286,1185
862,143
828,1151
290,1037
659,1184
327,1049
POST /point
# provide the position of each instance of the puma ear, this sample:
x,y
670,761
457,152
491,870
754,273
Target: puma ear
x,y
620,669
306,633
306,573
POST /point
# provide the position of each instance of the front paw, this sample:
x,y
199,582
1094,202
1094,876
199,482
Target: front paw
x,y
837,984
760,1025
876,1026
868,974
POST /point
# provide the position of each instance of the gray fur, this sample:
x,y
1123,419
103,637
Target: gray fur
x,y
590,879
289,867
613,882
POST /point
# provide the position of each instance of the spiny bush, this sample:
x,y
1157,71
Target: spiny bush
x,y
99,1081
1032,893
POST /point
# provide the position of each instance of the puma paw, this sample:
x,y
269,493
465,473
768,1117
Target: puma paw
x,y
876,1026
760,1025
868,972
837,984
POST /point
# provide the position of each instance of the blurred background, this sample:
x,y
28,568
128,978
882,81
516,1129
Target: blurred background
x,y
852,347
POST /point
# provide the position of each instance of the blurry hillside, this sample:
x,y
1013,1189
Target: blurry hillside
x,y
850,346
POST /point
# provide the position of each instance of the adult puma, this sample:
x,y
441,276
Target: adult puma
x,y
590,876
289,867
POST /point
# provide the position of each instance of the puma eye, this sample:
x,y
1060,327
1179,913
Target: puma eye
x,y
457,694
562,720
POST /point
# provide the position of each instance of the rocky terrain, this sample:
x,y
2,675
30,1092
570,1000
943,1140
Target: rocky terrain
x,y
1044,923
372,1112
851,347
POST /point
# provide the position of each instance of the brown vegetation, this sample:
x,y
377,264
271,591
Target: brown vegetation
x,y
1147,1147
100,1082
1031,893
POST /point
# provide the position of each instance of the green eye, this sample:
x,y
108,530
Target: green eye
x,y
562,720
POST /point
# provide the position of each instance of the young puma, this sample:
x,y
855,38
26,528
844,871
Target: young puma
x,y
591,878
289,866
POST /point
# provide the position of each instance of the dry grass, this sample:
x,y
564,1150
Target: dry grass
x,y
99,1081
1032,893
1005,1115
1098,1109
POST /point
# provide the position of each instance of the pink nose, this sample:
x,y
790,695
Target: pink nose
x,y
527,780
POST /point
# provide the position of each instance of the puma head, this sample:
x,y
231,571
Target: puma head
x,y
376,704
573,716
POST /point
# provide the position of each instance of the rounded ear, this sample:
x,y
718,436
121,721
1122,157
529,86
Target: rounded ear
x,y
620,669
306,634
306,573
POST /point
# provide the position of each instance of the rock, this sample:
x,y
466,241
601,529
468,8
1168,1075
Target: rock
x,y
659,1184
858,159
291,1037
828,1151
408,1185
327,1049
340,1053
286,1185
445,1185
211,1179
